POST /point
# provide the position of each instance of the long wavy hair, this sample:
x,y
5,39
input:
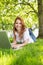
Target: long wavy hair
x,y
22,29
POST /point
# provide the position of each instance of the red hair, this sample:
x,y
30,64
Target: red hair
x,y
23,27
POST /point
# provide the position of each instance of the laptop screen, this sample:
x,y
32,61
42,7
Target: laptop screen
x,y
4,41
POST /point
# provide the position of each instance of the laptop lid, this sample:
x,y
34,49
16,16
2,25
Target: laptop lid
x,y
4,41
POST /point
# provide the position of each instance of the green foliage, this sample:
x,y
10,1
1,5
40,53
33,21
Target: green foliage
x,y
32,54
11,40
10,9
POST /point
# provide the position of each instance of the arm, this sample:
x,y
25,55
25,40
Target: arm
x,y
15,45
24,43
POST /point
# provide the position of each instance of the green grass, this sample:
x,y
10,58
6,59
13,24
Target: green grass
x,y
31,54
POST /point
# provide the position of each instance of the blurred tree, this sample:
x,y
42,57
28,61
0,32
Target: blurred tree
x,y
10,9
40,14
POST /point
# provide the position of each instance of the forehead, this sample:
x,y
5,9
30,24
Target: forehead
x,y
18,20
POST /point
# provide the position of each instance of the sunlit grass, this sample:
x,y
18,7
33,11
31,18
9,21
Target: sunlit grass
x,y
31,54
7,59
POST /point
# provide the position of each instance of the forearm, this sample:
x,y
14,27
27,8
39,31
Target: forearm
x,y
23,44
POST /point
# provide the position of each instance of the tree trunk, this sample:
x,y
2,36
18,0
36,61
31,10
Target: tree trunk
x,y
40,14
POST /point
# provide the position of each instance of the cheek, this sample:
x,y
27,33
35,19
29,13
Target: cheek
x,y
15,25
20,25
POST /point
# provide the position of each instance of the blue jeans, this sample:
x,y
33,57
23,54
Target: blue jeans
x,y
32,35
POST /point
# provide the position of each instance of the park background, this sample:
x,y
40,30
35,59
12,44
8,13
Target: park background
x,y
32,13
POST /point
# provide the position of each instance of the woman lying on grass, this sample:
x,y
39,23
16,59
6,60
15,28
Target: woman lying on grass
x,y
21,34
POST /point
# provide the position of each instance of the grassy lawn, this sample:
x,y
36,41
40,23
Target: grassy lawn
x,y
31,54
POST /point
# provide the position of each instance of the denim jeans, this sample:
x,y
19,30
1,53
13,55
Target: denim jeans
x,y
32,35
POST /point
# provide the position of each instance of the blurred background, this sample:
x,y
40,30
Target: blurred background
x,y
10,9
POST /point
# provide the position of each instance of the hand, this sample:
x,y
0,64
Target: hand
x,y
15,46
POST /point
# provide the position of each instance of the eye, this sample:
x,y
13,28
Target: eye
x,y
19,23
16,23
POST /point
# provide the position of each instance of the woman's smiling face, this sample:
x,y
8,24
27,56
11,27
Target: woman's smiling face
x,y
18,25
